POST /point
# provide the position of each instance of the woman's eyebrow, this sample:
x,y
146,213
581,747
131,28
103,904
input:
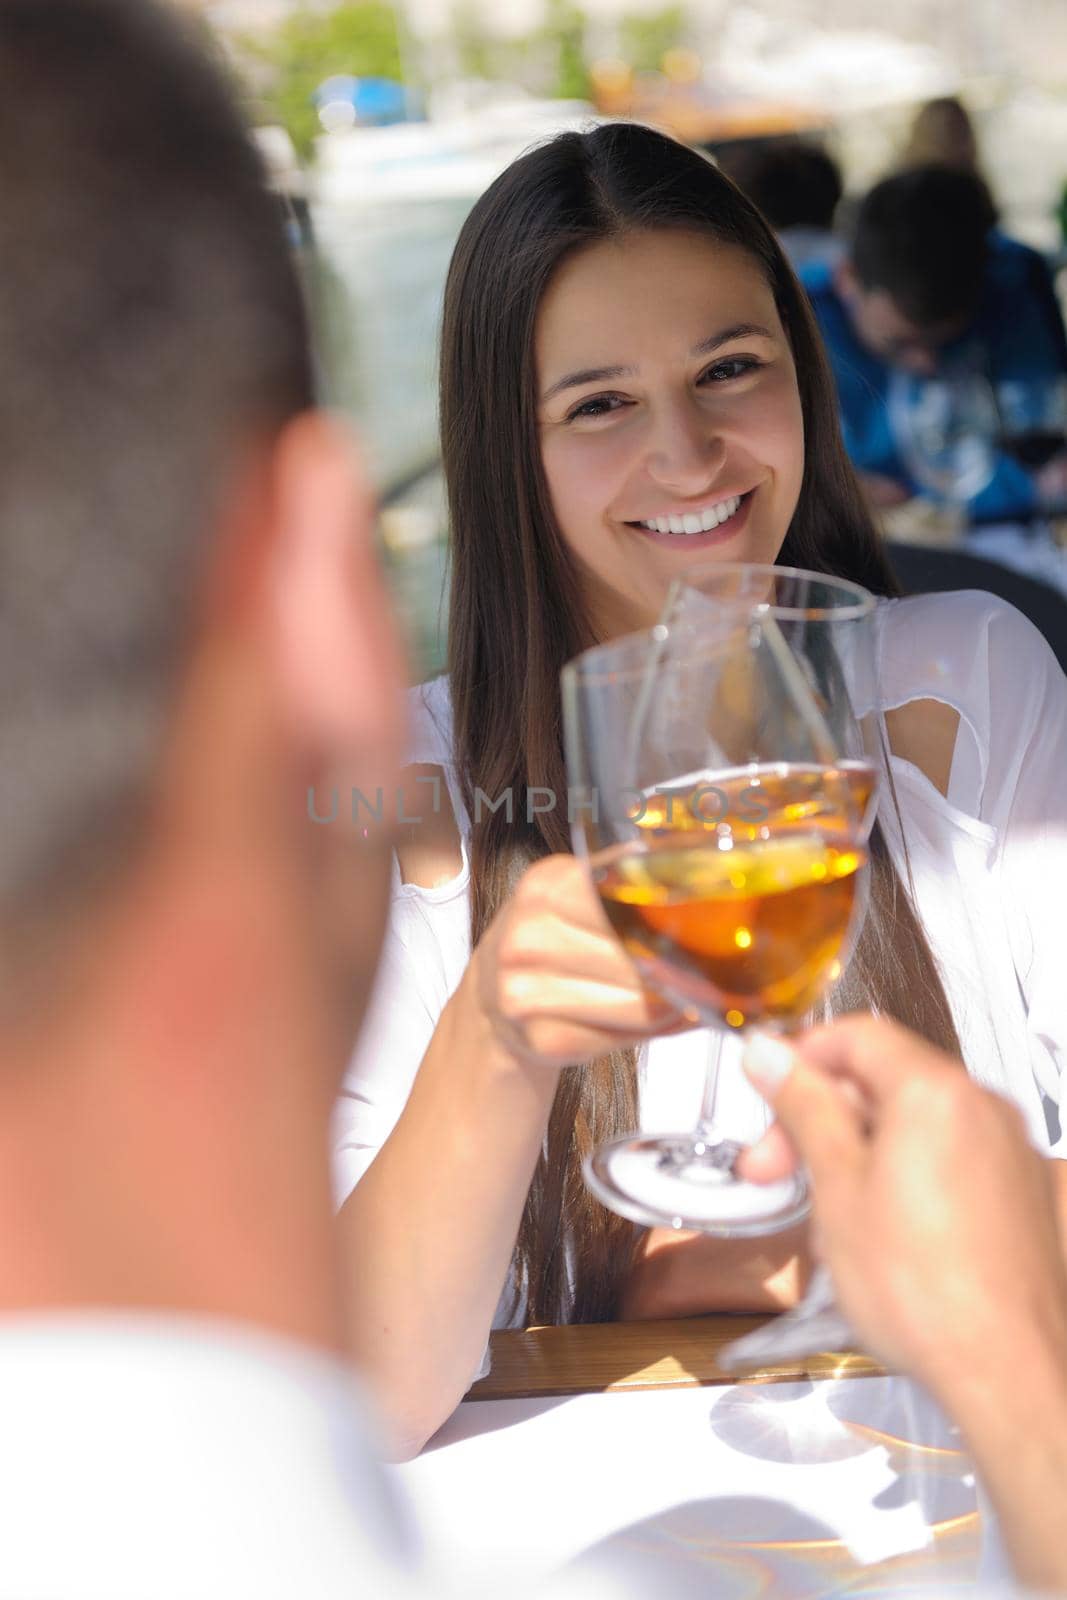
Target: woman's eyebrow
x,y
740,330
575,380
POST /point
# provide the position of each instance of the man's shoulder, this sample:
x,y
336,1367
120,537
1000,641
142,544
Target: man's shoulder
x,y
155,1445
1007,253
1020,314
1014,269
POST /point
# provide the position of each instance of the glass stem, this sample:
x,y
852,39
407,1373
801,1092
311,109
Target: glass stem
x,y
705,1129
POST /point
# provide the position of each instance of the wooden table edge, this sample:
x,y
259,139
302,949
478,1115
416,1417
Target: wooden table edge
x,y
614,1358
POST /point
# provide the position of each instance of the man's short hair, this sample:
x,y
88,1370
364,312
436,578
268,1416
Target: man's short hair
x,y
151,329
794,183
921,236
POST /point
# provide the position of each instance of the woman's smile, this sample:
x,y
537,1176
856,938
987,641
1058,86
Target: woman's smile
x,y
697,528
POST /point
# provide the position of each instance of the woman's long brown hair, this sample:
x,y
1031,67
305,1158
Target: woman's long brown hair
x,y
517,614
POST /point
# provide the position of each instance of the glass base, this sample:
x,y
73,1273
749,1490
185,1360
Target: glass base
x,y
682,1181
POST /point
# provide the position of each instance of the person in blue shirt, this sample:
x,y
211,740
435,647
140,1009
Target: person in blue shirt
x,y
929,285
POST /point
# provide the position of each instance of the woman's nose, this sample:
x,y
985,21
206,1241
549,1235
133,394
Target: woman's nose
x,y
686,450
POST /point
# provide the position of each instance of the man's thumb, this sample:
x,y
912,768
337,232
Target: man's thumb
x,y
819,1116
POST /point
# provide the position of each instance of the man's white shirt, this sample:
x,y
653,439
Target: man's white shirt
x,y
169,1459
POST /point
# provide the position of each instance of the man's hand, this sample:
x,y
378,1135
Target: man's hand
x,y
882,493
1051,483
937,1221
933,1212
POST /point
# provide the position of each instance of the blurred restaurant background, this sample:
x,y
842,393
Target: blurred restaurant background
x,y
381,125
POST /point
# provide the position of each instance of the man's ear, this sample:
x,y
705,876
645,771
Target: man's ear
x,y
334,650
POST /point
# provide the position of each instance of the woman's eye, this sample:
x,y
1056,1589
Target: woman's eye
x,y
732,367
599,406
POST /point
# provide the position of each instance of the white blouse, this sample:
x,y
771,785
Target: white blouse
x,y
988,865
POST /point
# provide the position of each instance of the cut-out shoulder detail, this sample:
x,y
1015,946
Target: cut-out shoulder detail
x,y
428,846
924,733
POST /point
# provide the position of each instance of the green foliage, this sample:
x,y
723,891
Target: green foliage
x,y
360,37
644,39
551,60
474,50
563,30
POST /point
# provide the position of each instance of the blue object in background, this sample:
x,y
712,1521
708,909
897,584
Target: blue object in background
x,y
371,102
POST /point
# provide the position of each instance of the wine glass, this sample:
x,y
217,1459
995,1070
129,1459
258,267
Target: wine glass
x,y
945,428
725,839
1033,419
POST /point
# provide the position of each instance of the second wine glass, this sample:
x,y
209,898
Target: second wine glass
x,y
725,836
945,428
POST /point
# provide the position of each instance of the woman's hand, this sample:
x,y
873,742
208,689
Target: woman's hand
x,y
548,985
551,979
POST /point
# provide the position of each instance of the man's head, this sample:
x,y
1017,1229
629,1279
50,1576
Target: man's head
x,y
191,623
914,277
794,183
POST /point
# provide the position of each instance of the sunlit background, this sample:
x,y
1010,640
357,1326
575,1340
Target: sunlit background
x,y
382,124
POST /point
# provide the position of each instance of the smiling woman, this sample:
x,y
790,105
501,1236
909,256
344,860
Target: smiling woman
x,y
687,440
631,376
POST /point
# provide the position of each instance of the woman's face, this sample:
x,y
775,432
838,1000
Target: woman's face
x,y
670,420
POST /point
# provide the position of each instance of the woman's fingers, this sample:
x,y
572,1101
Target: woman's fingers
x,y
561,885
554,980
547,942
595,1002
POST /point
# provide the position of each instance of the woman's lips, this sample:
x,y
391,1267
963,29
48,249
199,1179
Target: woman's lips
x,y
700,541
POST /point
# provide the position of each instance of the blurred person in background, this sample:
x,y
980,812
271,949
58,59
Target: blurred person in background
x,y
927,287
193,631
942,134
632,381
797,185
938,1222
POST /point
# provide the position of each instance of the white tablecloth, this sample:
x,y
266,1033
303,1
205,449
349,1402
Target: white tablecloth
x,y
852,1485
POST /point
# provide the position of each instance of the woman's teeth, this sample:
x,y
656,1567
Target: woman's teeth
x,y
695,521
